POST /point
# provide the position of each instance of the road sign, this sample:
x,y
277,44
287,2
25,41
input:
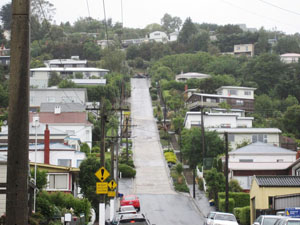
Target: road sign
x,y
111,194
112,185
102,174
101,188
293,212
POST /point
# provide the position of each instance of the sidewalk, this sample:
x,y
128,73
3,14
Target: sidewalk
x,y
201,201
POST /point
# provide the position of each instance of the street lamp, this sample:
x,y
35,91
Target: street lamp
x,y
35,123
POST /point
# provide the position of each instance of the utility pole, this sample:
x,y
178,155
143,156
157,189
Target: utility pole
x,y
18,121
112,173
202,135
226,172
127,157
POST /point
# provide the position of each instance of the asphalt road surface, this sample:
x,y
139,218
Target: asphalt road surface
x,y
161,204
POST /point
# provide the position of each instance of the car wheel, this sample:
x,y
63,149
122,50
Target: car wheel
x,y
138,209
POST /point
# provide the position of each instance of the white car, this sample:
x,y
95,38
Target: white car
x,y
220,218
288,221
127,209
266,220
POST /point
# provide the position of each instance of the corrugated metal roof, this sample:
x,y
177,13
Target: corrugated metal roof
x,y
53,146
262,148
278,181
247,130
253,166
65,107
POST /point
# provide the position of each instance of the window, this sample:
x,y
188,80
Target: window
x,y
259,138
65,162
247,92
58,181
222,100
50,99
232,92
230,137
239,102
279,160
211,100
246,160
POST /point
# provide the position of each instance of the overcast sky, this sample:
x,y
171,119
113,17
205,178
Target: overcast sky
x,y
139,13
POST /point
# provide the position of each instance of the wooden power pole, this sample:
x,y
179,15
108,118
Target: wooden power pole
x,y
226,173
18,121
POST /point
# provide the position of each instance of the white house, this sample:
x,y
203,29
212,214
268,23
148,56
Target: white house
x,y
290,57
174,36
242,92
75,124
39,76
217,120
3,169
191,75
237,136
57,95
158,36
259,159
66,63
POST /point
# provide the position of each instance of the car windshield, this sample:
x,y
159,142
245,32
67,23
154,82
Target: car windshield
x,y
129,198
293,222
225,217
269,221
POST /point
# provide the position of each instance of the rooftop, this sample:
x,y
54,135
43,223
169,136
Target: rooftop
x,y
259,165
53,146
290,55
62,118
65,107
235,87
89,81
247,130
260,148
68,69
278,181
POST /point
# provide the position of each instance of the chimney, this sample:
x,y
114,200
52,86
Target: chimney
x,y
47,145
298,154
57,109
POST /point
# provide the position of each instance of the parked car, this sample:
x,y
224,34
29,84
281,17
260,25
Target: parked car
x,y
131,200
220,218
266,220
288,221
131,219
127,209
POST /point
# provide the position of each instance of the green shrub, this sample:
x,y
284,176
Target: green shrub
x,y
230,206
153,97
245,215
241,199
237,212
200,184
127,171
179,168
181,187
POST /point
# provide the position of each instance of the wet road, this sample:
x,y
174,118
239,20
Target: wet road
x,y
161,204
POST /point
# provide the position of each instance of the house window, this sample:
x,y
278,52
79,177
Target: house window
x,y
259,138
211,100
78,163
87,134
67,99
246,48
279,160
247,92
58,181
65,162
195,123
246,160
239,102
232,92
50,99
230,137
222,100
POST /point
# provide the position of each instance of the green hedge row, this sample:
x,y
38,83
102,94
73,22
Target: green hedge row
x,y
241,199
127,171
230,206
242,214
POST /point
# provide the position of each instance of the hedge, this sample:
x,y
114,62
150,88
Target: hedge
x,y
237,212
245,215
230,206
241,199
127,171
170,157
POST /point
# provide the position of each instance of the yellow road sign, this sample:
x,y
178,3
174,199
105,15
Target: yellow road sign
x,y
102,174
101,188
111,194
112,184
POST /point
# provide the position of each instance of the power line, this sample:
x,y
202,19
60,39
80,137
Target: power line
x,y
278,7
105,23
88,8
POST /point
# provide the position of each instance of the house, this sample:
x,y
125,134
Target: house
x,y
74,123
237,136
138,41
247,29
290,57
244,49
237,97
173,36
270,194
3,169
217,120
158,36
56,95
66,63
89,82
104,43
260,159
39,76
191,75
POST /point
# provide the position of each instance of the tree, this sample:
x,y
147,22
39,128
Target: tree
x,y
216,183
291,120
188,29
41,178
234,186
66,84
5,16
42,10
153,27
54,79
91,50
199,42
170,24
287,44
113,60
